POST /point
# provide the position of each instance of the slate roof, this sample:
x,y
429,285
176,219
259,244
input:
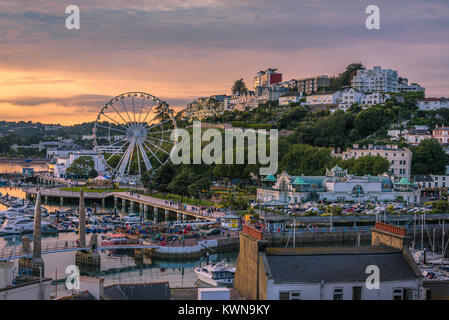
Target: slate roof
x,y
148,291
337,267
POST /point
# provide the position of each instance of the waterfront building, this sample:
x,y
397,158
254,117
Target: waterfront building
x,y
93,288
49,145
313,84
433,104
432,182
400,158
231,222
376,80
65,161
22,287
266,78
337,185
268,272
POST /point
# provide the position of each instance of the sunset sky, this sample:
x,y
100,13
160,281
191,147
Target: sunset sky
x,y
178,50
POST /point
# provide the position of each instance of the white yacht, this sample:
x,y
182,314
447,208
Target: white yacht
x,y
131,219
216,274
19,225
11,212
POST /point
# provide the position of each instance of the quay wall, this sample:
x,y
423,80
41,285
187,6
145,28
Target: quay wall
x,y
193,252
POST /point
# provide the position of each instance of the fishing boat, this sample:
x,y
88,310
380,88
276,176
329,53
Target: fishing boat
x,y
216,274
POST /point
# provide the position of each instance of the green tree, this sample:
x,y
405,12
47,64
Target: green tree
x,y
344,78
369,120
373,165
429,158
81,167
160,180
305,159
239,87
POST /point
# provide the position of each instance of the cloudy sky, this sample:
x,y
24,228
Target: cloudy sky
x,y
181,49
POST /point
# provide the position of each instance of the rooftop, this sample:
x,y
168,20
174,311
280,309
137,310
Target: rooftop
x,y
346,264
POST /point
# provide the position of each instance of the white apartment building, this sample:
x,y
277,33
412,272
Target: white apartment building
x,y
63,162
405,87
400,159
376,80
433,104
290,97
432,182
441,134
331,97
416,136
374,98
350,96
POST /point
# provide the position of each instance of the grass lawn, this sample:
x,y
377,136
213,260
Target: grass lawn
x,y
97,190
186,200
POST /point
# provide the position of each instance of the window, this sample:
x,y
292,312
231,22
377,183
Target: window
x,y
338,293
356,293
402,294
290,295
397,294
284,295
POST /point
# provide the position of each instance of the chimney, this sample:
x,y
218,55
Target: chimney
x,y
94,285
355,146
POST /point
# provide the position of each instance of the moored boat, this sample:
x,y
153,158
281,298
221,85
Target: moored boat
x,y
216,274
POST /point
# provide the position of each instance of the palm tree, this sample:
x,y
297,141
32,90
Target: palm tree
x,y
239,87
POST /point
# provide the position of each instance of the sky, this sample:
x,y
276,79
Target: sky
x,y
178,50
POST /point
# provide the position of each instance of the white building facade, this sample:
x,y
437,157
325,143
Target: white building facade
x,y
337,186
63,162
433,104
376,80
400,159
332,97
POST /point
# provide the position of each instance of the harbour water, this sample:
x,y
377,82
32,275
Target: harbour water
x,y
114,268
16,167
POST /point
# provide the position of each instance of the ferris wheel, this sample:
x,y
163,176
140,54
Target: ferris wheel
x,y
132,132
